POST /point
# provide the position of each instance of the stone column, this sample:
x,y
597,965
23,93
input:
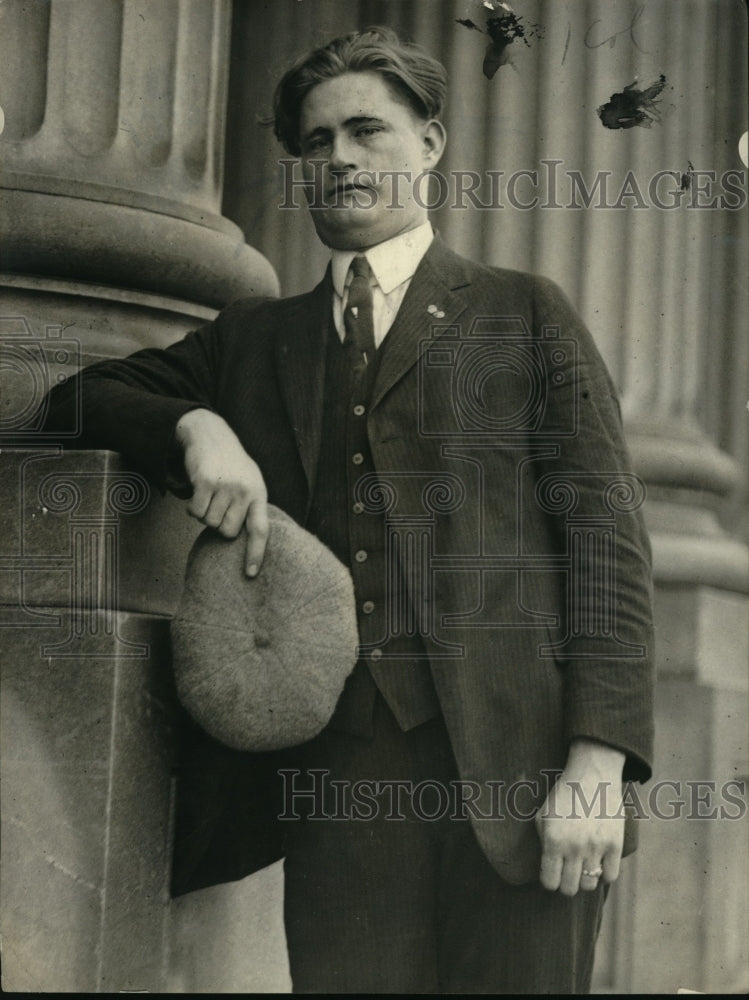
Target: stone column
x,y
113,148
679,362
112,163
111,239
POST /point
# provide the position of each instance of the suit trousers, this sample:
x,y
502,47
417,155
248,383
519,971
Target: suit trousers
x,y
387,890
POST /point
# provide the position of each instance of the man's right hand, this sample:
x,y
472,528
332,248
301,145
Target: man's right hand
x,y
228,487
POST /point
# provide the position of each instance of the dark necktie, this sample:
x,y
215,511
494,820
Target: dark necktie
x,y
358,314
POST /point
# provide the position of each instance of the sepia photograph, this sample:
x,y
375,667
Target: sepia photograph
x,y
374,460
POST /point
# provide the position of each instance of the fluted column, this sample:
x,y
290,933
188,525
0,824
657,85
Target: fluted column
x,y
113,144
645,228
111,240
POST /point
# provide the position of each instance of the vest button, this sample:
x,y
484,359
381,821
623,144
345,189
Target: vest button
x,y
358,458
376,654
358,508
368,607
359,410
361,556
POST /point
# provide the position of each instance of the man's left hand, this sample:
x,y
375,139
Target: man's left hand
x,y
581,823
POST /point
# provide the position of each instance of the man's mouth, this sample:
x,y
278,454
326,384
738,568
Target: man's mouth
x,y
338,190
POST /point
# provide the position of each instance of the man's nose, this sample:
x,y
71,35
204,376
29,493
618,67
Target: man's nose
x,y
343,155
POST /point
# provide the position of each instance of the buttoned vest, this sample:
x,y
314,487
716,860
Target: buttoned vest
x,y
345,514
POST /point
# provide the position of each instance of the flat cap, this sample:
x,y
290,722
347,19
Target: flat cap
x,y
260,663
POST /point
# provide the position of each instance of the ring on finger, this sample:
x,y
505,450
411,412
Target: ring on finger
x,y
592,872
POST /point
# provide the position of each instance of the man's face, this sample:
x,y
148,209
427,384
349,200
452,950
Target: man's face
x,y
363,133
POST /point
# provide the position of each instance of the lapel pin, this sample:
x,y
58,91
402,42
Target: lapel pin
x,y
439,314
355,312
432,308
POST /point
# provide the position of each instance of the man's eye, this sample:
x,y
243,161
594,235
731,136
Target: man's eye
x,y
315,145
367,130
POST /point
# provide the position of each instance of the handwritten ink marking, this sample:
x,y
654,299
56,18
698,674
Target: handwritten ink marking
x,y
611,40
567,42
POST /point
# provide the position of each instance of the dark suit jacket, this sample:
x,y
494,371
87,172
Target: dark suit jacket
x,y
506,400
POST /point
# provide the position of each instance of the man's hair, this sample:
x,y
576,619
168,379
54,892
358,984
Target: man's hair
x,y
414,75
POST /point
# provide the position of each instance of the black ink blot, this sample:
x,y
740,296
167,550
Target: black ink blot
x,y
686,178
505,28
633,107
467,23
502,29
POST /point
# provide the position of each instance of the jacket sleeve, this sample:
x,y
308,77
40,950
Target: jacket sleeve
x,y
591,492
132,405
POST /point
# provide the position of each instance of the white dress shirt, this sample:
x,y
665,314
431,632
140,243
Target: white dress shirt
x,y
393,264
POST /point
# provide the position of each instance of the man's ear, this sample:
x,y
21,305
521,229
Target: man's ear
x,y
435,138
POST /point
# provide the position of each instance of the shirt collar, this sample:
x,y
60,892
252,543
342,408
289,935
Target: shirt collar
x,y
392,262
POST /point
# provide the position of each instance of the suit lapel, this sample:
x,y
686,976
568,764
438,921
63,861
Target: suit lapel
x,y
440,282
300,362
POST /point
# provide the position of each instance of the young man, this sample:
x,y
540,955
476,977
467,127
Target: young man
x,y
426,417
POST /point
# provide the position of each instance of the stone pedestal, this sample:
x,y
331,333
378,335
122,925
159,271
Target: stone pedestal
x,y
91,566
86,757
88,715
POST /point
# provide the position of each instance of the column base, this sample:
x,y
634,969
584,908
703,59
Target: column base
x,y
202,257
